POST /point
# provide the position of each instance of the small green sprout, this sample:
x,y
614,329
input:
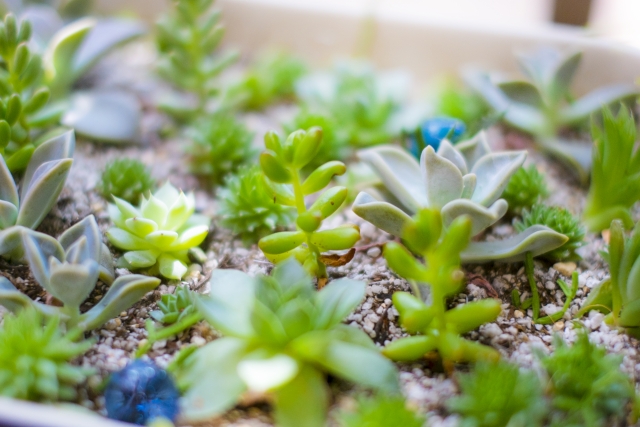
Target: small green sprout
x,y
281,164
380,410
174,307
436,327
615,186
499,394
525,188
35,356
159,233
281,338
247,207
559,220
127,179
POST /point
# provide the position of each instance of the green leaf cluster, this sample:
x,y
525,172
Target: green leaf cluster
x,y
435,327
380,410
282,164
127,179
615,176
247,206
174,307
281,338
35,356
560,220
525,188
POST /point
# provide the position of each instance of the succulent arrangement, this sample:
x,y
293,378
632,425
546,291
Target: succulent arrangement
x,y
126,179
526,188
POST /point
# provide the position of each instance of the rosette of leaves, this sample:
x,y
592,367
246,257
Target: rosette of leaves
x,y
127,179
544,105
187,39
220,144
381,410
35,358
433,327
68,269
499,394
467,179
158,234
560,220
174,307
615,186
247,207
280,340
26,204
282,164
525,188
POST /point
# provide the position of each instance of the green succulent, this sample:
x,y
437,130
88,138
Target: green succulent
x,y
158,234
380,410
560,220
615,186
127,179
435,327
525,188
174,307
282,165
247,207
35,356
280,339
219,145
499,394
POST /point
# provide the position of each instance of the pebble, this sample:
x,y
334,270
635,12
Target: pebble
x,y
550,285
374,252
518,314
113,324
565,268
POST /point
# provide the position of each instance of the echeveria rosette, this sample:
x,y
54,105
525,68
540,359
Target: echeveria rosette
x,y
158,234
281,338
465,180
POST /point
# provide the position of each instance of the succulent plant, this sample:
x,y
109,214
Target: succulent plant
x,y
280,338
35,356
247,208
40,187
127,179
436,328
174,307
615,186
544,105
433,131
465,180
525,188
560,220
220,144
68,269
158,234
281,164
380,410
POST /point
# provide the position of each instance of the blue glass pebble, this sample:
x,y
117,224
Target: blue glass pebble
x,y
435,130
140,393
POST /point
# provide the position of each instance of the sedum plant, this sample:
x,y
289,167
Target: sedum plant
x,y
68,269
281,164
35,358
615,186
158,234
247,207
174,307
467,179
380,410
280,340
434,327
127,179
526,188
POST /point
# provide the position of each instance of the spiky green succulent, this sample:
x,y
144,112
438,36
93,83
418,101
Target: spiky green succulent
x,y
34,359
525,188
247,207
380,410
559,220
127,179
174,307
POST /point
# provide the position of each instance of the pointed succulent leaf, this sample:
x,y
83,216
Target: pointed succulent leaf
x,y
171,267
474,149
493,172
469,182
141,259
155,210
124,240
442,178
8,214
88,229
59,146
162,238
72,283
336,300
191,237
141,226
8,188
124,211
592,102
383,215
273,169
303,401
563,76
39,250
481,217
447,151
522,92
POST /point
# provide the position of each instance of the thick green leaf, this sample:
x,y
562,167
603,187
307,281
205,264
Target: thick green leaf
x,y
383,215
303,401
337,300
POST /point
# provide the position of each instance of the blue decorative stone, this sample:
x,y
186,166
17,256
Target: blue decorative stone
x,y
435,130
140,393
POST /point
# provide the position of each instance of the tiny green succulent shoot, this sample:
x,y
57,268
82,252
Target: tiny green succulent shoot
x,y
525,188
158,234
35,358
281,164
127,179
560,220
615,186
380,410
280,338
436,328
174,307
247,207
69,269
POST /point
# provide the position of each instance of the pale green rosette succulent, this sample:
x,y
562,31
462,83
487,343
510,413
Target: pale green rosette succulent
x,y
465,180
158,234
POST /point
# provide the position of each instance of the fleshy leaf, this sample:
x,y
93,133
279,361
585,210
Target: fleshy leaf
x,y
442,178
337,300
303,401
493,172
481,217
266,374
383,215
8,189
171,267
592,102
72,283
